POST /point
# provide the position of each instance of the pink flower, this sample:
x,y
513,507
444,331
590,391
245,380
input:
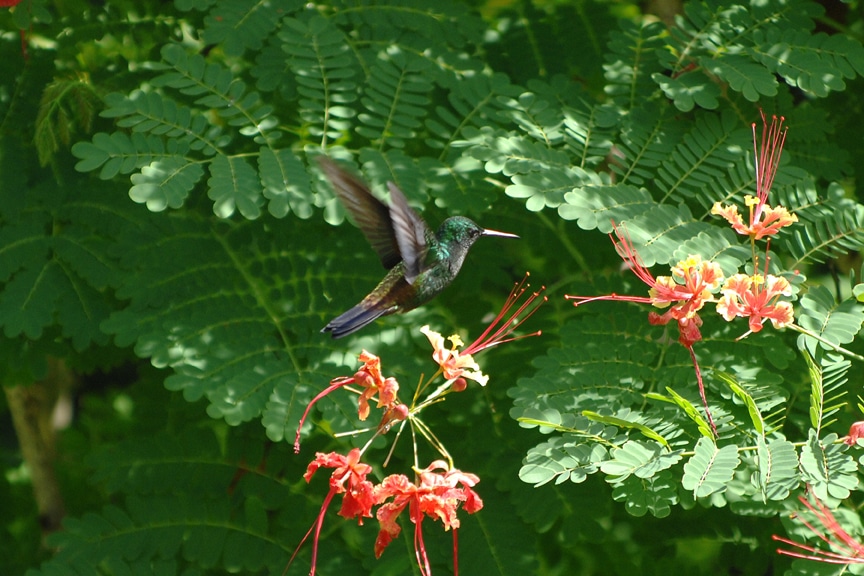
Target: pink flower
x,y
454,364
856,431
457,364
757,298
370,379
684,292
764,220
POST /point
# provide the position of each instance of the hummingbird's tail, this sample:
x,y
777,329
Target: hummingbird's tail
x,y
355,319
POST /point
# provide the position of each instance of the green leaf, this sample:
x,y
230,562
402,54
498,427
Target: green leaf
x,y
118,153
815,63
165,183
396,98
631,62
561,461
639,459
642,495
752,409
285,182
778,468
826,387
710,469
831,473
838,323
743,75
243,25
622,423
689,409
689,90
323,68
596,207
234,186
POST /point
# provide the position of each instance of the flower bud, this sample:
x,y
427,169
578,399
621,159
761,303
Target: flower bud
x,y
400,412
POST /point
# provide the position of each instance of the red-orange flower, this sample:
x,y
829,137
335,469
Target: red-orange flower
x,y
764,220
438,494
348,478
369,378
684,292
756,298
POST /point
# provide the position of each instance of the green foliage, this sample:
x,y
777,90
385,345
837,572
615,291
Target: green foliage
x,y
216,278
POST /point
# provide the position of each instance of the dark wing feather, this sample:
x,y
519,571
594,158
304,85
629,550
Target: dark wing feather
x,y
370,214
410,231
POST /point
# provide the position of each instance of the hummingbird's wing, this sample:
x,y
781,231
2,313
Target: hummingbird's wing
x,y
370,214
410,231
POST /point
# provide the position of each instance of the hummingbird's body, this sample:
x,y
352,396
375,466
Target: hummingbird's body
x,y
421,262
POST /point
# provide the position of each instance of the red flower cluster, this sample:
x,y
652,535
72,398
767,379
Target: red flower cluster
x,y
694,282
438,493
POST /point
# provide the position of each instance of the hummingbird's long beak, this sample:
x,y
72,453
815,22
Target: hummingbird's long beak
x,y
487,232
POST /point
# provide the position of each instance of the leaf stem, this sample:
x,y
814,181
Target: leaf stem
x,y
831,345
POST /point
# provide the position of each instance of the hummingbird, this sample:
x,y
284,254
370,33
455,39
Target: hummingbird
x,y
421,263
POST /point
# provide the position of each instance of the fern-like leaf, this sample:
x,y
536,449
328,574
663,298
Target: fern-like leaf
x,y
324,72
561,460
814,63
118,153
831,473
827,379
396,99
827,236
640,459
778,468
703,158
632,61
710,468
656,495
239,26
838,323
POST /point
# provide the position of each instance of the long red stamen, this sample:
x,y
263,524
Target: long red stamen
x,y
317,528
455,552
420,549
624,247
334,384
616,297
852,551
767,159
497,332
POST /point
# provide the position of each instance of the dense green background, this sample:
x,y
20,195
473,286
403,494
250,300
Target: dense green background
x,y
169,252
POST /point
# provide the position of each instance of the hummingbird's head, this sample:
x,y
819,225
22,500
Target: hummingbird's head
x,y
464,231
456,235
